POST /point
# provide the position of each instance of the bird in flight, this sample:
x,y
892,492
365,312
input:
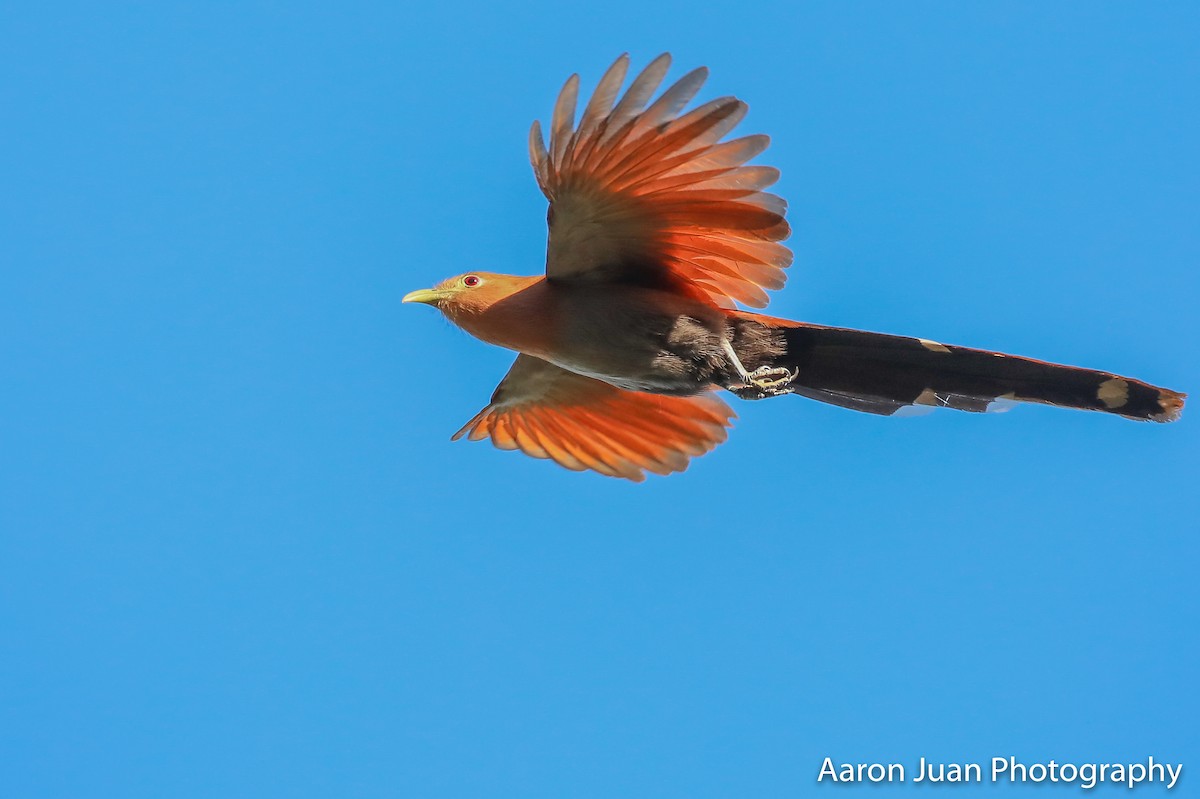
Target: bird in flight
x,y
658,230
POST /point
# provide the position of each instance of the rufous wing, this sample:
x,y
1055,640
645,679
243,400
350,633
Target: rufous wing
x,y
643,194
583,423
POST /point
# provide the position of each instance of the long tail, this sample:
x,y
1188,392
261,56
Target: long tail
x,y
881,374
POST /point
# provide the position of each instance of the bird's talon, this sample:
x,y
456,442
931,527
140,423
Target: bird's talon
x,y
773,379
756,391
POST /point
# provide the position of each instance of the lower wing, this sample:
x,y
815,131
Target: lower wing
x,y
583,423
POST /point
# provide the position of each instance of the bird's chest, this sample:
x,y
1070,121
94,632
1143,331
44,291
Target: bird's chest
x,y
638,340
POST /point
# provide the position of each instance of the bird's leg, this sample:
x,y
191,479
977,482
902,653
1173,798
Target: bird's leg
x,y
765,381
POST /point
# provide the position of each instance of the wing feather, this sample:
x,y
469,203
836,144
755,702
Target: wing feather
x,y
633,450
539,156
646,454
549,441
671,101
563,120
734,152
601,104
639,92
527,440
579,445
583,423
647,195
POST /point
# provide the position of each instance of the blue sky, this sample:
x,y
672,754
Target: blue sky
x,y
239,556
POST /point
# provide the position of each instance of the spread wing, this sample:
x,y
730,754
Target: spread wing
x,y
582,423
648,196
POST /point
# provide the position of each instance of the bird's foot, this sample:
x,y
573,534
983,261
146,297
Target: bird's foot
x,y
765,381
772,378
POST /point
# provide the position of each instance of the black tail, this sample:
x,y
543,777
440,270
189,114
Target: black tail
x,y
879,373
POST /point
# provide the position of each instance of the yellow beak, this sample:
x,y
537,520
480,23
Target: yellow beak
x,y
426,296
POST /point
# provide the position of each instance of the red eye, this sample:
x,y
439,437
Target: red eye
x,y
470,281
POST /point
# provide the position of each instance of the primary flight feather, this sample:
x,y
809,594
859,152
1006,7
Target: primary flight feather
x,y
658,229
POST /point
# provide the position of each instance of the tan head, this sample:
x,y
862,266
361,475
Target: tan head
x,y
471,294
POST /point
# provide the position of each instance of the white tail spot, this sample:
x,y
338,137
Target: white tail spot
x,y
1113,392
933,345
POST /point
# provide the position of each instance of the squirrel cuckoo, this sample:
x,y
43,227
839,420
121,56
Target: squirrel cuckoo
x,y
657,229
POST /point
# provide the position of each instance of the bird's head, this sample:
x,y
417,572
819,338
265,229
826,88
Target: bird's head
x,y
470,294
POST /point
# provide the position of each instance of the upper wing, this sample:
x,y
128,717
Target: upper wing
x,y
646,196
582,423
